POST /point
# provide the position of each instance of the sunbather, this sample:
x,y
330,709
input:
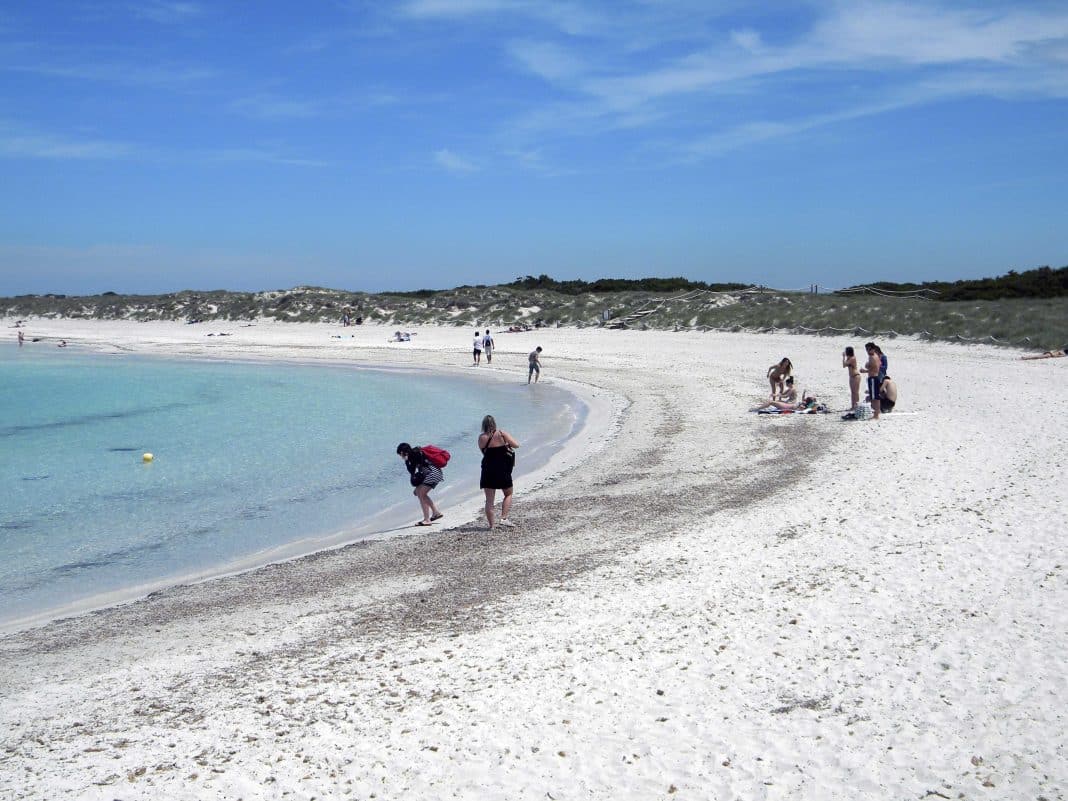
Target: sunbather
x,y
1049,354
807,402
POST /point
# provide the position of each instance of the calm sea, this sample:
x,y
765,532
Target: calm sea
x,y
253,462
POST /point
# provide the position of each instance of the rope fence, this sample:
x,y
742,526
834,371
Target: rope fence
x,y
859,331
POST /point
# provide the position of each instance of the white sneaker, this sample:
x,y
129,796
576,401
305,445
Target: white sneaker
x,y
504,521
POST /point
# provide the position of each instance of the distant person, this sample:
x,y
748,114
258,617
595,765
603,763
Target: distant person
x,y
476,346
1049,354
487,346
22,337
777,374
789,396
534,364
883,361
849,361
887,394
424,477
807,402
498,459
872,368
62,343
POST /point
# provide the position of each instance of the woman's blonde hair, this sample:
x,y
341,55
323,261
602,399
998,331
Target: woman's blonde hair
x,y
489,425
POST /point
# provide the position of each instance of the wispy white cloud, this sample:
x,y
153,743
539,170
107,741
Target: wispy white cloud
x,y
548,60
276,108
24,145
155,76
448,160
459,8
572,18
917,51
17,143
167,13
262,155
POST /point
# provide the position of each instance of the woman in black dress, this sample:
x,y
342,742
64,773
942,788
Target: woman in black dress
x,y
498,458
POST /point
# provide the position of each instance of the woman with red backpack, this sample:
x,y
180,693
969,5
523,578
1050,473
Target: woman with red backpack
x,y
425,475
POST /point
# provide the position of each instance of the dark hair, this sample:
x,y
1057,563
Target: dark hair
x,y
877,349
849,350
869,346
538,348
790,380
404,448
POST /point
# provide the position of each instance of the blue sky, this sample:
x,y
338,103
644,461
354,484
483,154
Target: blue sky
x,y
155,146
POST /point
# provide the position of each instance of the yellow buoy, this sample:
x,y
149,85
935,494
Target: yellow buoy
x,y
147,457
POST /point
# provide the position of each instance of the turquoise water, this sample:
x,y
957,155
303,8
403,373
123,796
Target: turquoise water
x,y
249,458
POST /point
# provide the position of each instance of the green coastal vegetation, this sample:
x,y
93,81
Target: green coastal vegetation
x,y
1026,309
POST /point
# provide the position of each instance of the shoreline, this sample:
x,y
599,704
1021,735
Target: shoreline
x,y
592,412
707,603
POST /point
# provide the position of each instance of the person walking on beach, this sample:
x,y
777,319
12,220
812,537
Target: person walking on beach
x,y
476,348
534,364
849,360
873,368
424,477
498,459
777,374
487,345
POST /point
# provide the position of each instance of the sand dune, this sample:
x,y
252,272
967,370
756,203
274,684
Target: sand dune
x,y
697,602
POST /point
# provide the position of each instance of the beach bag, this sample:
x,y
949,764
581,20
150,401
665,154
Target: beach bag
x,y
439,457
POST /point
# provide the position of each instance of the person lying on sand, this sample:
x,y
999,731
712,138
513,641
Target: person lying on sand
x,y
1049,354
806,403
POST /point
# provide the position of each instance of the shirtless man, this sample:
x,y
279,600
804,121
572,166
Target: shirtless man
x,y
888,394
534,364
873,368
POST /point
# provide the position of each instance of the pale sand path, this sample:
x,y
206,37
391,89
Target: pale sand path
x,y
701,609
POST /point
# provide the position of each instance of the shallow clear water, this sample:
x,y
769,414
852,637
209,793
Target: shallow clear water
x,y
249,458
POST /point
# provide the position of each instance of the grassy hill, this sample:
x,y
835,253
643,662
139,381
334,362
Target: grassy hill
x,y
1028,322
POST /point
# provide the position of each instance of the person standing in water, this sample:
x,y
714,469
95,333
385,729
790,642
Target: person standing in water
x,y
424,477
498,459
534,364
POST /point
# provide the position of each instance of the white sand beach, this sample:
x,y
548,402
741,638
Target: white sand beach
x,y
696,602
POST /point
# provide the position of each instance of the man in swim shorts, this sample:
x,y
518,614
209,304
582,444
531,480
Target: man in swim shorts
x,y
873,368
534,364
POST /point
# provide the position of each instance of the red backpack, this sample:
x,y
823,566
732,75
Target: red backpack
x,y
439,457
